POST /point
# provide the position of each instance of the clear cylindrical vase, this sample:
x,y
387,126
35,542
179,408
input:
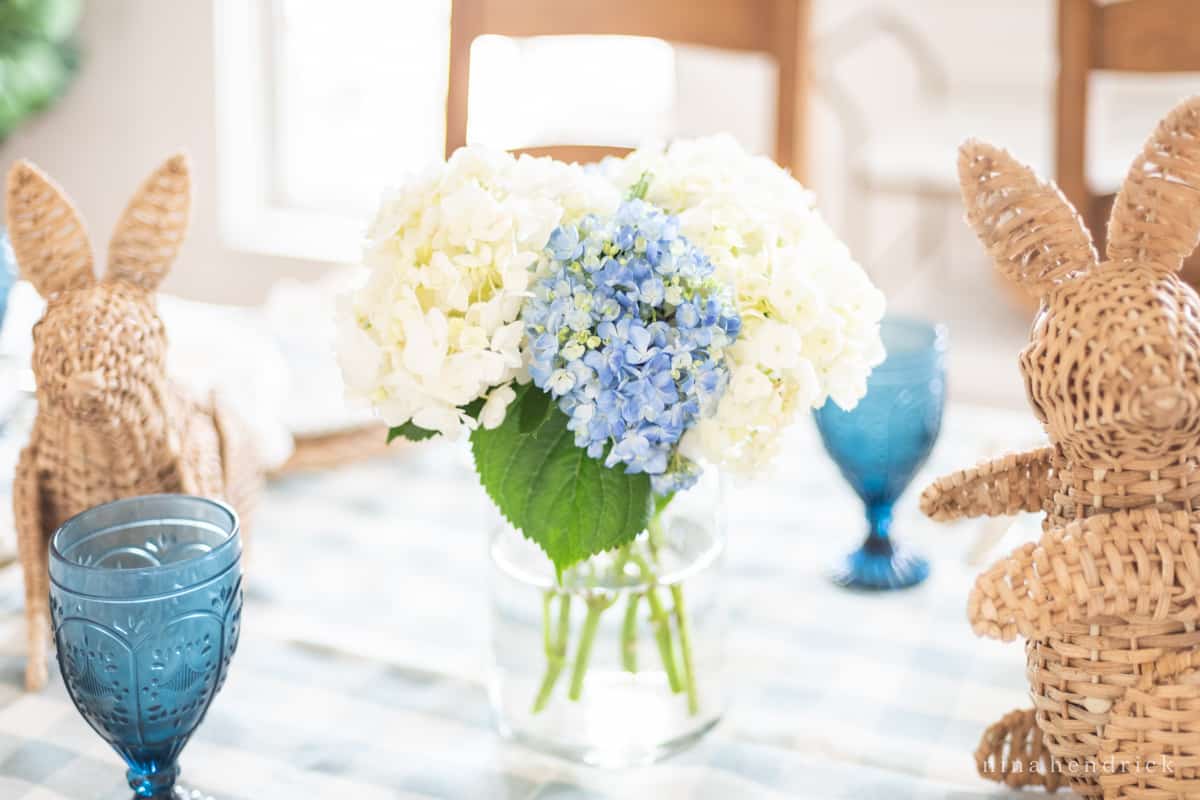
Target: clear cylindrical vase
x,y
622,661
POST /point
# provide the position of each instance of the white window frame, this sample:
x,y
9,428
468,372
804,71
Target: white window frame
x,y
248,217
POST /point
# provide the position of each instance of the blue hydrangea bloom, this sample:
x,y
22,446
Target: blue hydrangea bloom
x,y
627,330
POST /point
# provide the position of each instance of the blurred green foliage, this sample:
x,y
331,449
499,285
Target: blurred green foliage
x,y
38,56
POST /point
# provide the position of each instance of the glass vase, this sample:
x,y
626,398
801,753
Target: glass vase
x,y
622,661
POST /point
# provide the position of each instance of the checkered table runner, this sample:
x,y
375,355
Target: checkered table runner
x,y
361,673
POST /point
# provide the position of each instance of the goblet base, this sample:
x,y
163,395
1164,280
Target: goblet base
x,y
876,568
161,784
180,793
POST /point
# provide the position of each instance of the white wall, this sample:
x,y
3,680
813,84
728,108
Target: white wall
x,y
144,91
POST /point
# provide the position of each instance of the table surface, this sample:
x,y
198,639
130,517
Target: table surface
x,y
362,669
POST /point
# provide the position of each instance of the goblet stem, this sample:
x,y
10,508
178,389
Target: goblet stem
x,y
878,563
155,784
879,521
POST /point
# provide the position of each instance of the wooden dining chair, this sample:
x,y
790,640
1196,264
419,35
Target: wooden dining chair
x,y
1139,36
778,28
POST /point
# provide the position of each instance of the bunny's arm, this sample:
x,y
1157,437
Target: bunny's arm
x,y
1138,565
1000,487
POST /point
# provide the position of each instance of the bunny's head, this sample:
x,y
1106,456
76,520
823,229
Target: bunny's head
x,y
1112,368
100,347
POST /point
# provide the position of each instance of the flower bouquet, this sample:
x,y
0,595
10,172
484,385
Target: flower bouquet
x,y
608,337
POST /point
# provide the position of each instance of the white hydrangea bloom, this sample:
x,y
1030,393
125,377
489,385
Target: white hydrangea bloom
x,y
810,315
449,256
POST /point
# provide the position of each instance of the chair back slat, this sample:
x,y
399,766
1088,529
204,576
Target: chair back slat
x,y
710,23
1147,36
574,153
1144,36
778,28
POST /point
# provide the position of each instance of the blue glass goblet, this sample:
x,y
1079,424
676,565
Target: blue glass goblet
x,y
146,602
8,273
881,444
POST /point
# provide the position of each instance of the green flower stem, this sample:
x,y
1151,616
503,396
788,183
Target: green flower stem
x,y
662,626
629,628
629,634
618,568
685,647
654,535
555,644
564,625
662,634
547,636
583,655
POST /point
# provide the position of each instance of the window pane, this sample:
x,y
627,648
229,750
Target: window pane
x,y
360,92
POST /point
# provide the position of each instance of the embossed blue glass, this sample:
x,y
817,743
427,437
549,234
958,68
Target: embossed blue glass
x,y
8,273
146,602
881,444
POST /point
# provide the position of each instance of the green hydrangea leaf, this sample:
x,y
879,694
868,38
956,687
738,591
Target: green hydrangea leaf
x,y
409,431
415,433
535,407
570,504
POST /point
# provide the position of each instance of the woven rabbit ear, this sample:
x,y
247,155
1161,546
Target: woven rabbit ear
x,y
150,232
1156,216
47,234
1035,236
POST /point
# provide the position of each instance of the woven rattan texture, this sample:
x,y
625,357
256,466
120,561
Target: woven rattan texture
x,y
109,422
1016,739
1035,237
1016,482
1107,599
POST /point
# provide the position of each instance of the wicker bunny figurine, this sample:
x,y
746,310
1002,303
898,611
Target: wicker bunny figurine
x,y
109,423
1108,598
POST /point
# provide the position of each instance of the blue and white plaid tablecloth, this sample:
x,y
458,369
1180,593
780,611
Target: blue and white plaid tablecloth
x,y
361,669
